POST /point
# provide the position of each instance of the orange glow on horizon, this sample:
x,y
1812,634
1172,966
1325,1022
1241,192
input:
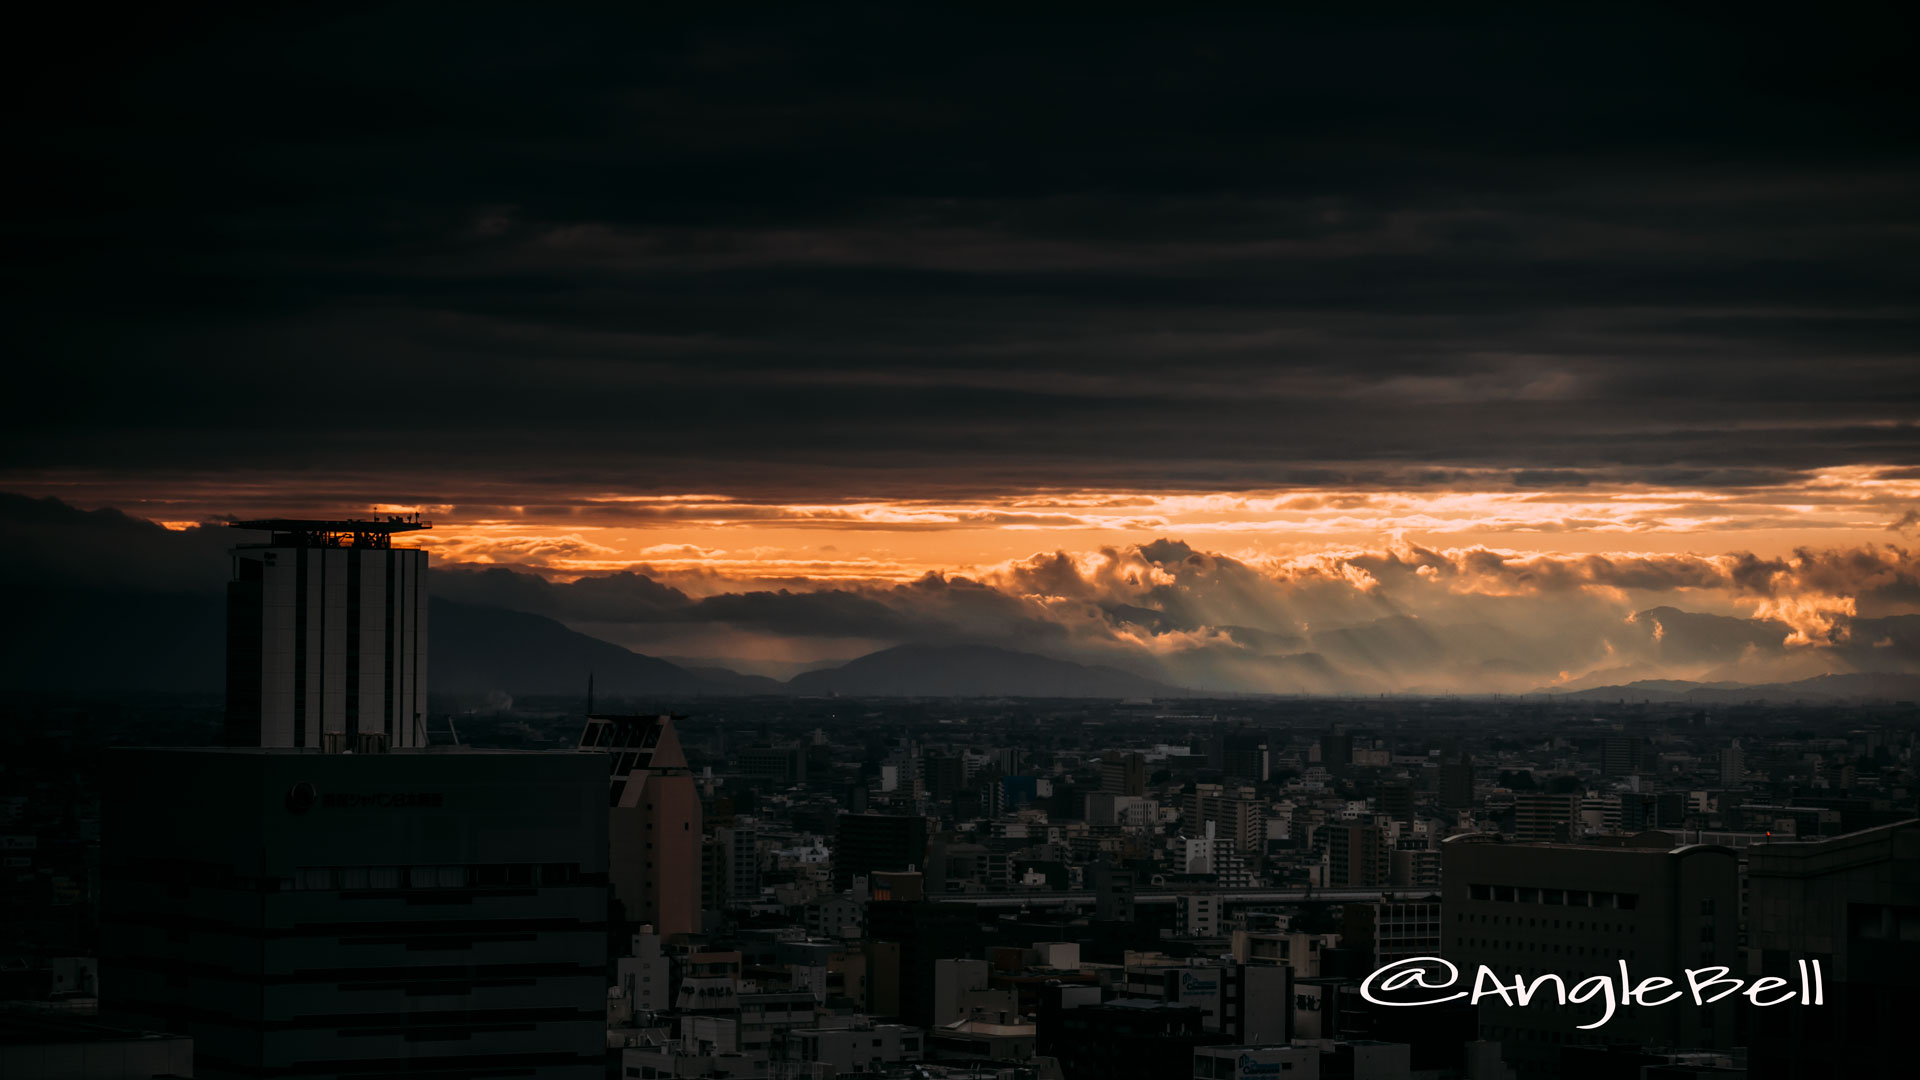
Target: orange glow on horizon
x,y
731,541
1217,587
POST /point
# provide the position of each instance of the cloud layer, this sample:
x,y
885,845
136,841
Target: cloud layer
x,y
1474,619
911,255
1358,620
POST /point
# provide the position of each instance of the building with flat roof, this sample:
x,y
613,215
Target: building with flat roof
x,y
1852,903
327,635
1455,782
863,1047
1241,1003
1130,1038
1123,773
1545,817
865,843
1389,931
439,912
1577,911
1257,1062
1357,855
1237,814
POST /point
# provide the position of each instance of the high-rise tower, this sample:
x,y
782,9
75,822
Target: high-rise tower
x,y
327,636
656,821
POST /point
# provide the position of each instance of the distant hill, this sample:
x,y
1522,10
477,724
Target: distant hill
x,y
972,671
722,680
1691,637
482,649
1855,686
117,642
92,643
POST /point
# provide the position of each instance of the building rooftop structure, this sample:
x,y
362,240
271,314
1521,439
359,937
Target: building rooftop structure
x,y
321,533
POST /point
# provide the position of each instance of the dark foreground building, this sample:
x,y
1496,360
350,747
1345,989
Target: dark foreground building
x,y
920,933
1131,1038
45,1045
864,843
432,912
1853,904
1576,911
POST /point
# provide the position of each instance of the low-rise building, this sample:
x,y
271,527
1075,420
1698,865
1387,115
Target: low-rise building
x,y
865,1047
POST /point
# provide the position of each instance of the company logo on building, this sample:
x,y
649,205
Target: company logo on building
x,y
1192,984
382,800
302,797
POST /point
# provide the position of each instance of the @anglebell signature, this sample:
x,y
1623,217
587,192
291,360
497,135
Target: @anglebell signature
x,y
1421,973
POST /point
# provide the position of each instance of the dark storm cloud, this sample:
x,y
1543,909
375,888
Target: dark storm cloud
x,y
893,252
1405,618
933,608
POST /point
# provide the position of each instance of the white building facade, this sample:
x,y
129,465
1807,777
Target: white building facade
x,y
327,636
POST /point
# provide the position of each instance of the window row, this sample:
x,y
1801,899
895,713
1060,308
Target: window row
x,y
1523,894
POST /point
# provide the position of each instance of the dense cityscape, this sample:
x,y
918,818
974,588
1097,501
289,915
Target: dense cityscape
x,y
1009,888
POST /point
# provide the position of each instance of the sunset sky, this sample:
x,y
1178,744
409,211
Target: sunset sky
x,y
1185,346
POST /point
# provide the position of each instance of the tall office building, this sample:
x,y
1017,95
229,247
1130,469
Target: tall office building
x,y
428,912
1733,765
1237,815
1112,892
1395,801
1622,755
1336,751
1413,864
655,829
1244,756
741,842
1544,817
1638,811
1389,931
1456,782
1123,772
944,774
1357,855
327,636
1852,903
1577,911
716,866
